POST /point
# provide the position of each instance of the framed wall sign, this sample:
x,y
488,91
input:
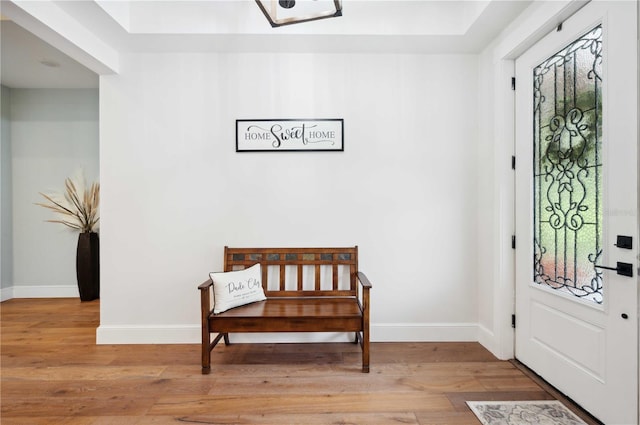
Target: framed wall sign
x,y
290,135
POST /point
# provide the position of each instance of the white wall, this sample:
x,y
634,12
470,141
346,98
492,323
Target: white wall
x,y
174,191
6,215
53,132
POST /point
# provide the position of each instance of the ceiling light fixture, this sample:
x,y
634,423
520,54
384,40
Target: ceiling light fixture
x,y
287,12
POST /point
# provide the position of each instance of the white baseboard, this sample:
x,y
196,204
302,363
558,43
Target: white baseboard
x,y
6,293
487,339
190,334
424,332
149,334
41,291
502,348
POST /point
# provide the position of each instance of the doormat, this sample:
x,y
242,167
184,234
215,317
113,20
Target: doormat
x,y
543,412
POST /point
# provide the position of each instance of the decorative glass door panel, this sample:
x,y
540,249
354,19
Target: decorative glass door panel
x,y
567,168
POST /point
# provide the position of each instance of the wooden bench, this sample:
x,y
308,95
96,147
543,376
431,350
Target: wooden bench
x,y
307,290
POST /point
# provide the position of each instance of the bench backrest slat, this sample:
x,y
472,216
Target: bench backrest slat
x,y
321,265
300,277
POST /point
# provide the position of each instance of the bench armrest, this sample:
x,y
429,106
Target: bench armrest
x,y
364,281
364,302
205,299
206,311
206,284
365,307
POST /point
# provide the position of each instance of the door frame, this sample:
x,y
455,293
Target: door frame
x,y
541,19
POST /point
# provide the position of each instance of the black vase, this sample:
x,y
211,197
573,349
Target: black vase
x,y
88,266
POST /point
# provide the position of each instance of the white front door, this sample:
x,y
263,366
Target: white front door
x,y
576,192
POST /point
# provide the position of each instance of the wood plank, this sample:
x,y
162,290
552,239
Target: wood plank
x,y
75,406
447,418
511,383
304,419
64,420
81,373
352,383
107,387
303,403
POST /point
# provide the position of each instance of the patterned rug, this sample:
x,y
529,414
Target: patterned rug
x,y
543,412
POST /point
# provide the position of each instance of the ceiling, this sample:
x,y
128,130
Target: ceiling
x,y
29,62
367,26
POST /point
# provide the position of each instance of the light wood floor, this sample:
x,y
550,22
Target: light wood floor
x,y
53,373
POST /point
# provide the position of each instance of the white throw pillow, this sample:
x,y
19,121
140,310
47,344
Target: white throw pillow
x,y
236,288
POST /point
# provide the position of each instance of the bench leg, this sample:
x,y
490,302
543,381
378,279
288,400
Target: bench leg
x,y
365,350
206,351
206,358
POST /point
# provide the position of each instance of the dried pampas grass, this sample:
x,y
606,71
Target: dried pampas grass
x,y
78,206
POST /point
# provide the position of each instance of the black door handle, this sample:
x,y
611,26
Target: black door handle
x,y
623,269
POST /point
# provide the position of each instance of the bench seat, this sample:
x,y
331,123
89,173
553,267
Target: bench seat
x,y
291,315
